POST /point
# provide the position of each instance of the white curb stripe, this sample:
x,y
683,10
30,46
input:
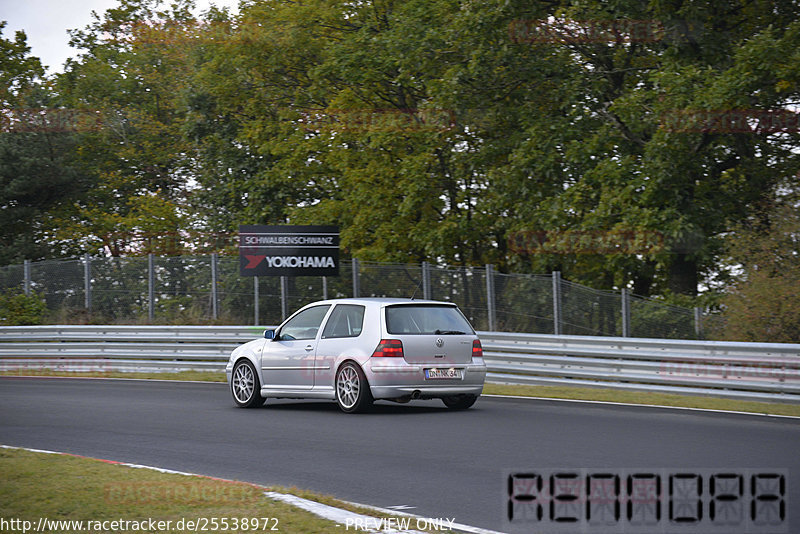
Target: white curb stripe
x,y
347,518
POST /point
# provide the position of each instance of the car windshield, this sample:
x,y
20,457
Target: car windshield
x,y
426,319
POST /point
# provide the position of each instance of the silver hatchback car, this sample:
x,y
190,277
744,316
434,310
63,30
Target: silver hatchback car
x,y
359,350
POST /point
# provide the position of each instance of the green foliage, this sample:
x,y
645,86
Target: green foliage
x,y
37,178
18,70
18,309
139,161
561,136
764,304
37,174
428,130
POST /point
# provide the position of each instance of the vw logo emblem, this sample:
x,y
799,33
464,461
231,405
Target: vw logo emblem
x,y
439,342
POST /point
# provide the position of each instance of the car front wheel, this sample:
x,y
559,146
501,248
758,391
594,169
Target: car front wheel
x,y
459,402
352,390
245,386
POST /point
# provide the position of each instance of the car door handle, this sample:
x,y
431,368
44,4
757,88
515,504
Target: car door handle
x,y
309,348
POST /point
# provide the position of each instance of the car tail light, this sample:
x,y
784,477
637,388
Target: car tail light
x,y
477,349
389,348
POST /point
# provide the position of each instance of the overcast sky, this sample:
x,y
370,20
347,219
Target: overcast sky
x,y
46,22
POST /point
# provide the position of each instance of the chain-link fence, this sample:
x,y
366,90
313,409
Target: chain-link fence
x,y
203,289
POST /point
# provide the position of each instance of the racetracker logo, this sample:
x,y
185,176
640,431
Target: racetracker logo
x,y
555,30
380,120
586,242
731,121
49,120
62,368
189,492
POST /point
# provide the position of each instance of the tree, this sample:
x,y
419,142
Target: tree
x,y
336,108
37,168
19,71
571,138
616,142
601,155
764,303
133,73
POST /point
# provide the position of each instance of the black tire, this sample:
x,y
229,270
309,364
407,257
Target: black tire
x,y
459,402
352,390
245,386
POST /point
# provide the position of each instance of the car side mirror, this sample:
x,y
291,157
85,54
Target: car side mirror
x,y
269,334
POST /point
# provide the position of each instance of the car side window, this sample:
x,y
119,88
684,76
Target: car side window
x,y
305,324
346,320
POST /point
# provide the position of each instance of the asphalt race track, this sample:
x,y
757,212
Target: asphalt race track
x,y
441,463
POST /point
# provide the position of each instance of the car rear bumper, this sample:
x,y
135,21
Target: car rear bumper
x,y
393,380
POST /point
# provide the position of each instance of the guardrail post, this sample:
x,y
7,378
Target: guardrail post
x,y
356,279
426,280
214,311
151,287
26,274
490,303
557,303
698,323
324,288
626,312
284,296
87,282
255,300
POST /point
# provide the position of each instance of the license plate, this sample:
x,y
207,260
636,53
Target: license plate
x,y
443,374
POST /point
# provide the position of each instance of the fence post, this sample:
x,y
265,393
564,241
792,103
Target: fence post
x,y
26,273
255,300
151,287
557,303
490,303
324,288
356,280
284,297
626,312
698,323
426,280
214,311
87,282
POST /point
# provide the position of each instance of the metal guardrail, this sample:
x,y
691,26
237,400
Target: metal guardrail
x,y
755,371
120,348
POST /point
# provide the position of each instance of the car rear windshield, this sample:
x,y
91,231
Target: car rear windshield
x,y
426,319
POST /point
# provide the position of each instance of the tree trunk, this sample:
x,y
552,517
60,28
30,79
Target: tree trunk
x,y
683,275
643,279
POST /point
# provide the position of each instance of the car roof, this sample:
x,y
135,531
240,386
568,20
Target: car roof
x,y
382,301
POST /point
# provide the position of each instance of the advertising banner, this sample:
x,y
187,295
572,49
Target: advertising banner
x,y
288,250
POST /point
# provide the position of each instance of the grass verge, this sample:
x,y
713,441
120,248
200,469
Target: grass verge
x,y
551,392
67,488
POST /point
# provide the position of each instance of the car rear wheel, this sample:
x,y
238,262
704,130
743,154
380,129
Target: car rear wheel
x,y
459,402
245,386
352,390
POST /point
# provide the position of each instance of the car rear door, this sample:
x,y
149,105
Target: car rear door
x,y
340,335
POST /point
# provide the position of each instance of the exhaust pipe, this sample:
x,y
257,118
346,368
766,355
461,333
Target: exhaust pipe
x,y
417,394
